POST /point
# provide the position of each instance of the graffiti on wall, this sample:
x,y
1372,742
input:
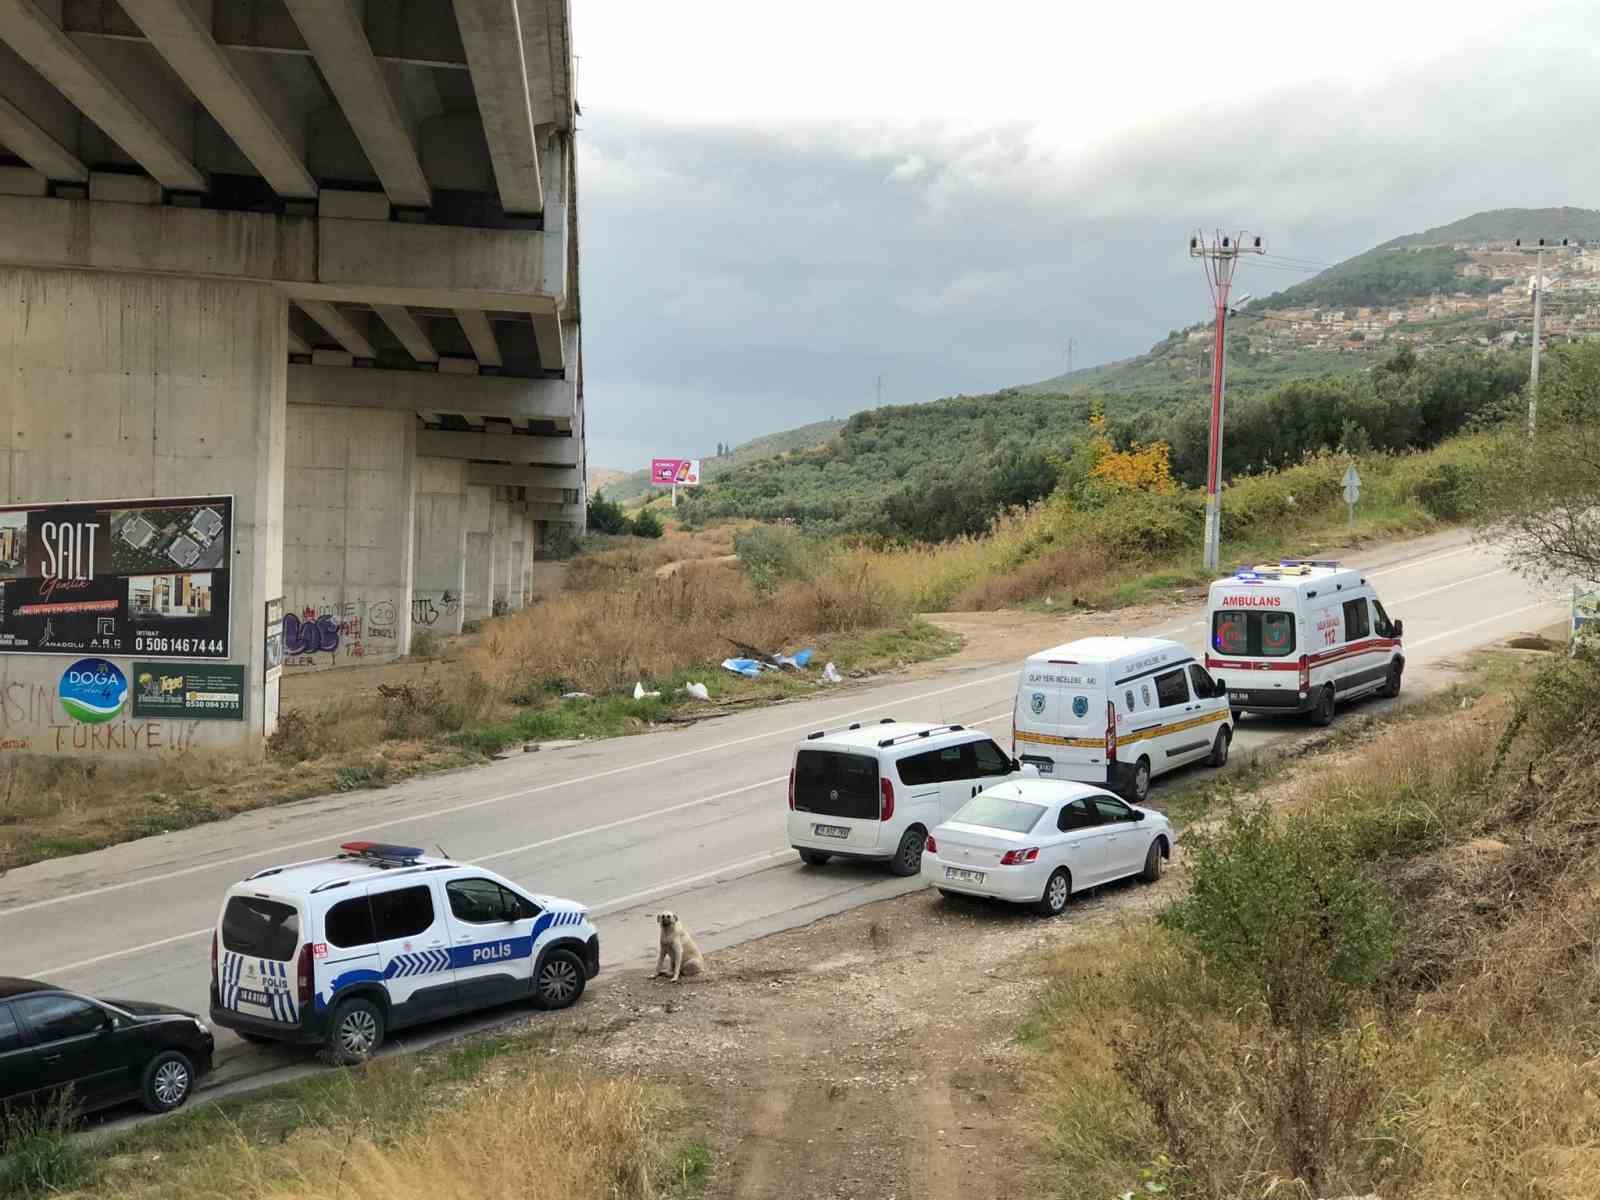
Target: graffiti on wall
x,y
427,611
338,632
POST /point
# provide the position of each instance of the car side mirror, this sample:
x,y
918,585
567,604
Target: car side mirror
x,y
1399,628
1137,815
1016,764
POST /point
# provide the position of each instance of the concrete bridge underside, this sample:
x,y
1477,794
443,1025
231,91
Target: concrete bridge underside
x,y
318,256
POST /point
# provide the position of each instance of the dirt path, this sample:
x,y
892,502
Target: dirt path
x,y
871,1055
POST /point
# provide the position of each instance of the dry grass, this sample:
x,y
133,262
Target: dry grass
x,y
520,1132
1484,1039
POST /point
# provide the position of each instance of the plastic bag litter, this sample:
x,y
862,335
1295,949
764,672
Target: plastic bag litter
x,y
797,661
640,694
697,690
748,667
831,674
575,695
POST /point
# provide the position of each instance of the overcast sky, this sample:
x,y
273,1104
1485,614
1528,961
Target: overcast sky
x,y
779,203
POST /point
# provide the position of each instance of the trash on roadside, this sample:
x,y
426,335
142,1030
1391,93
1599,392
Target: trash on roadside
x,y
831,674
748,667
697,690
640,694
797,661
575,695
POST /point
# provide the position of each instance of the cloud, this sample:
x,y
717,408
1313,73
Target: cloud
x,y
743,277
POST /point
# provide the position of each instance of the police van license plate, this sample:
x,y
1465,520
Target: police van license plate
x,y
251,996
833,831
960,876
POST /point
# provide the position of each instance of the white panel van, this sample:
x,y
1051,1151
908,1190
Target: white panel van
x,y
1118,711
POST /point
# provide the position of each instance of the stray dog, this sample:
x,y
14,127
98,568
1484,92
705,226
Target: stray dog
x,y
679,955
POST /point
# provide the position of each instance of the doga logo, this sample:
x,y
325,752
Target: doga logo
x,y
93,691
1036,702
1080,707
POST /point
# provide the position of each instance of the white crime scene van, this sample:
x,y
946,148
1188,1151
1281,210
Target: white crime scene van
x,y
872,791
338,951
1118,711
1301,636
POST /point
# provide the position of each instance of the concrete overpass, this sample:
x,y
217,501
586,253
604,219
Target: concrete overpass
x,y
316,256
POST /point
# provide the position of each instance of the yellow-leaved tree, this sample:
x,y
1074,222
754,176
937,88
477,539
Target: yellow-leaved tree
x,y
1139,468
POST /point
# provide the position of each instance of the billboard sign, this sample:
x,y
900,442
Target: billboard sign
x,y
93,691
147,577
187,691
669,472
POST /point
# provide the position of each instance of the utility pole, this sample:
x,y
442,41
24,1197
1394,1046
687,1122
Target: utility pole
x,y
880,390
1220,257
1538,328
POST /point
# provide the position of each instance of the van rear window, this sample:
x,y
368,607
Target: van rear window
x,y
1252,634
835,784
260,928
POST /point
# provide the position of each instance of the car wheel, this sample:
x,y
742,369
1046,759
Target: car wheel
x,y
1323,713
560,980
1153,862
356,1032
1391,689
907,859
1219,748
1057,891
168,1080
1138,789
814,858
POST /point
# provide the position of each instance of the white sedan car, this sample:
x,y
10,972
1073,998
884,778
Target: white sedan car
x,y
1036,841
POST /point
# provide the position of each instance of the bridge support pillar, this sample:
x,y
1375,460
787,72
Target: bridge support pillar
x,y
349,514
141,388
440,582
478,590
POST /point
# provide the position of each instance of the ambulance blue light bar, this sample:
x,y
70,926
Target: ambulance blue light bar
x,y
382,852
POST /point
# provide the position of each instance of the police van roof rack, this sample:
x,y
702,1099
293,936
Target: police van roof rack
x,y
851,728
922,733
1308,562
382,854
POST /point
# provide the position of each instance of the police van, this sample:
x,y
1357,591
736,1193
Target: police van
x,y
1301,636
1118,711
342,950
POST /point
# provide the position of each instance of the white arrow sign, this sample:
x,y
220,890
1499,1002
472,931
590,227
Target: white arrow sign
x,y
1352,484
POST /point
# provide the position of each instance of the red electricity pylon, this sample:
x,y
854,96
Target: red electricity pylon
x,y
1220,257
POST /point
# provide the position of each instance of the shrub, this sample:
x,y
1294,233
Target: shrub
x,y
647,524
606,516
426,644
38,1154
775,554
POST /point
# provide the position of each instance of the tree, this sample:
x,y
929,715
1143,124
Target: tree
x,y
1543,496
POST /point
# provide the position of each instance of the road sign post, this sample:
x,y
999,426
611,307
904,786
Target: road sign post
x,y
1352,491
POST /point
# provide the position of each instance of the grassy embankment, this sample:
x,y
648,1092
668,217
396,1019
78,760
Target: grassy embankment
x,y
486,1119
1384,983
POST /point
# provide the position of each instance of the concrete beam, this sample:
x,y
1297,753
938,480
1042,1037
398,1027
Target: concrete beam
x,y
36,147
338,327
339,261
526,449
531,477
333,29
412,336
480,334
545,25
298,344
177,31
491,33
49,51
428,392
547,334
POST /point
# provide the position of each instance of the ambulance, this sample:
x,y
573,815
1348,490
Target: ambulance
x,y
1118,711
1301,636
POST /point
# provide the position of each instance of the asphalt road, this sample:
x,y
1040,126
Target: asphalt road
x,y
691,819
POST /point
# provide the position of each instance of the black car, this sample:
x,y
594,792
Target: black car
x,y
106,1051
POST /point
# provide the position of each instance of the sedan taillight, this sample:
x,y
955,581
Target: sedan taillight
x,y
1016,858
930,846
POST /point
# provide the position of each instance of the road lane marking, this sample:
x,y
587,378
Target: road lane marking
x,y
1439,637
100,958
622,903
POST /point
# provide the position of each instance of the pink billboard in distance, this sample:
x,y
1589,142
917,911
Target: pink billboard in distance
x,y
664,472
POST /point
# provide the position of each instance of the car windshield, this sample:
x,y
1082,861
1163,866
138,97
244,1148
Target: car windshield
x,y
996,812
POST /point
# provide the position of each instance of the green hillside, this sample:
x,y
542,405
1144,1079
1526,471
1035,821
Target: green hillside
x,y
1381,277
637,483
1508,224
